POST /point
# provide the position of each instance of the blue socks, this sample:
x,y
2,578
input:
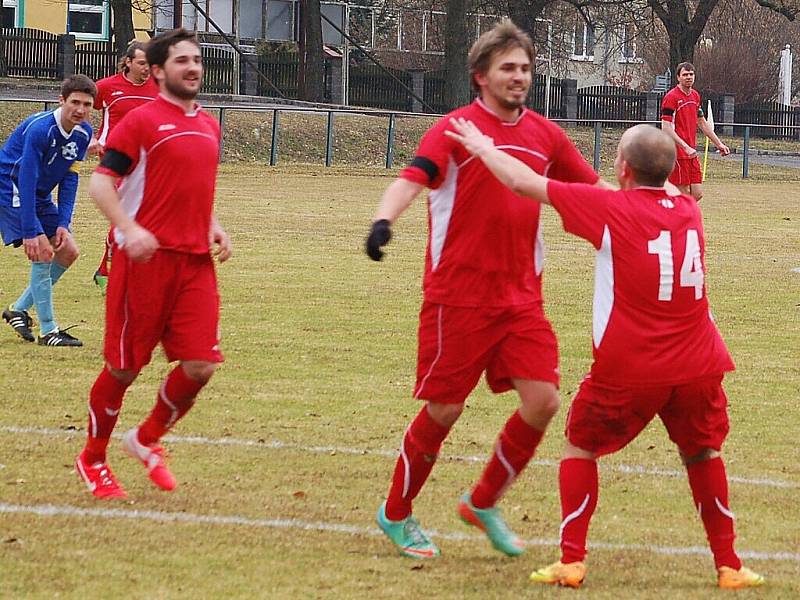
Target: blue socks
x,y
40,294
25,301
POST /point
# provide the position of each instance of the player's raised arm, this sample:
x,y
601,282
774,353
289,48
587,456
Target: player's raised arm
x,y
511,172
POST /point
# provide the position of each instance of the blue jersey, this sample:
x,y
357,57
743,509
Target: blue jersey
x,y
39,156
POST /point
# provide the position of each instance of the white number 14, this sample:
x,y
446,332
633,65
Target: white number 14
x,y
691,268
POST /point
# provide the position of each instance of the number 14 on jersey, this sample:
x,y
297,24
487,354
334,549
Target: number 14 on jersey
x,y
691,274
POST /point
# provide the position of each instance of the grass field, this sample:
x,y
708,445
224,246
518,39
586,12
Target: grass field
x,y
288,452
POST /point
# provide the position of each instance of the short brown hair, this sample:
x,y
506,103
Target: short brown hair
x,y
684,66
78,83
133,48
157,49
649,152
503,36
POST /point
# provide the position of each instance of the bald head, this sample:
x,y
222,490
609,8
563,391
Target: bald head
x,y
649,152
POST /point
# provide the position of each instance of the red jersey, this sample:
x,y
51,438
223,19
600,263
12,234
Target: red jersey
x,y
168,162
484,242
117,96
683,111
651,320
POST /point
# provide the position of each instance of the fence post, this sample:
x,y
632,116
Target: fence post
x,y
329,141
746,157
418,87
221,133
652,108
335,82
390,143
569,101
597,137
248,76
728,104
66,55
273,149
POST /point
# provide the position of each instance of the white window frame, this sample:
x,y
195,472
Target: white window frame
x,y
583,29
15,5
628,41
104,9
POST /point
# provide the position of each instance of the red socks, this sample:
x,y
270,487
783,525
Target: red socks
x,y
578,483
105,401
513,451
418,452
709,485
175,398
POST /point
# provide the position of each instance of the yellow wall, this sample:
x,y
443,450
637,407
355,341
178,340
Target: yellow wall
x,y
51,15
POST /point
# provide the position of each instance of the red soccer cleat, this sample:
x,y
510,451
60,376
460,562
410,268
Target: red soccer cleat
x,y
99,479
152,457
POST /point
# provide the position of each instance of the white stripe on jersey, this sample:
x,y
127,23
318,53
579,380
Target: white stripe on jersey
x,y
603,302
441,202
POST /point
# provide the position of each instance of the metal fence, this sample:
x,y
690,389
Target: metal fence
x,y
29,53
610,103
219,65
96,59
369,85
785,119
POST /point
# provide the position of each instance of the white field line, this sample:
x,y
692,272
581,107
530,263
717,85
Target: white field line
x,y
278,445
49,510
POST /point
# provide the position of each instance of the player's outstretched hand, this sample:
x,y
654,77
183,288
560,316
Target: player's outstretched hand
x,y
469,136
379,236
140,244
224,246
94,147
38,249
723,150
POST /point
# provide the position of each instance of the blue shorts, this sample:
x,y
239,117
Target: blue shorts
x,y
11,220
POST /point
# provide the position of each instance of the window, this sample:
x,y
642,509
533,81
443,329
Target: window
x,y
583,40
628,44
280,20
9,14
88,19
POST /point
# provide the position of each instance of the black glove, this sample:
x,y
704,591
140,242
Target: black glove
x,y
379,236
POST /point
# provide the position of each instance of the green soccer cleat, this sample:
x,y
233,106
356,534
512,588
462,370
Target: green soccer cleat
x,y
490,521
407,536
101,281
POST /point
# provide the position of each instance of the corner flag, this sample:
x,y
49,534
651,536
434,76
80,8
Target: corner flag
x,y
710,121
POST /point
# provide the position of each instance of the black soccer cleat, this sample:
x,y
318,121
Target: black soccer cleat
x,y
21,322
59,338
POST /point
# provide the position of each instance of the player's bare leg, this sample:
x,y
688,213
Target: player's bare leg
x,y
516,444
709,483
696,190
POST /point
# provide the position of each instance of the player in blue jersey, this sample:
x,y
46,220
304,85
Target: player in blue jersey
x,y
41,155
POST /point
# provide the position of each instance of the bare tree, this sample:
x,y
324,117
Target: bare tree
x,y
456,45
311,70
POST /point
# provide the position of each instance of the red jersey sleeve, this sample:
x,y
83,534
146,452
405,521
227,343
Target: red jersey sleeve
x,y
98,99
126,139
668,107
583,208
568,163
432,159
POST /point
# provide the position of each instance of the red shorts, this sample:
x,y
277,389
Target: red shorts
x,y
604,419
172,299
686,172
457,344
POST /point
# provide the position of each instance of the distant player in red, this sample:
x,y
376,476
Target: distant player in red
x,y
117,96
681,112
656,348
482,309
164,287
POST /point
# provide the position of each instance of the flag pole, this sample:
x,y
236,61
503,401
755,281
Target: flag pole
x,y
710,121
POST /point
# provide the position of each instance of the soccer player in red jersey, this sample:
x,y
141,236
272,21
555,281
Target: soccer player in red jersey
x,y
482,309
117,95
164,287
681,112
656,348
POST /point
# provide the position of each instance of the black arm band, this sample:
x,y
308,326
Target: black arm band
x,y
668,112
116,161
427,165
